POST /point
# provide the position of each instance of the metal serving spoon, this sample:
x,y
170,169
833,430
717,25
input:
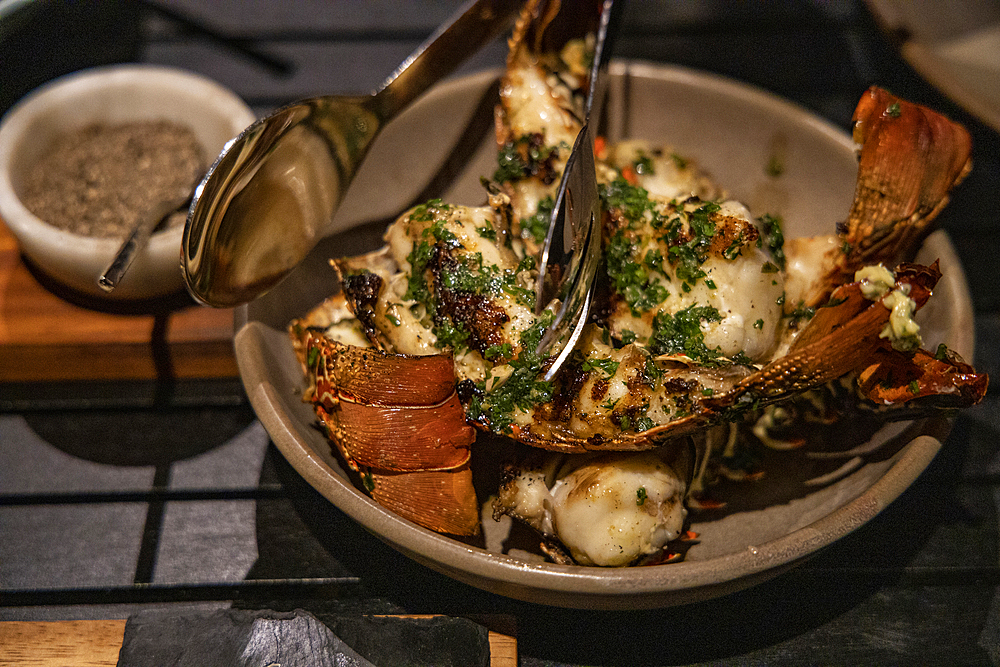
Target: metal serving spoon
x,y
272,193
573,241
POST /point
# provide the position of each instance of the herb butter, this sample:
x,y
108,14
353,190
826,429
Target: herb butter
x,y
876,281
901,330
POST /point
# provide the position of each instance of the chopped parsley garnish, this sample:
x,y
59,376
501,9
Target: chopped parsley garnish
x,y
741,359
502,351
640,496
522,390
368,481
608,366
644,424
735,249
419,257
511,166
687,256
632,200
651,372
681,334
456,271
429,211
630,279
524,157
893,110
609,404
773,239
941,354
449,334
654,259
643,165
466,274
801,312
538,224
685,236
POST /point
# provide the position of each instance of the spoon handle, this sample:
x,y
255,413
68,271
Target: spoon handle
x,y
475,24
136,241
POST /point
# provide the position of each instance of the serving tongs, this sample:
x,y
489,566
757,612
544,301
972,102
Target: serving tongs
x,y
571,251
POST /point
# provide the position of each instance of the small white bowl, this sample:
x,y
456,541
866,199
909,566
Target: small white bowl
x,y
108,95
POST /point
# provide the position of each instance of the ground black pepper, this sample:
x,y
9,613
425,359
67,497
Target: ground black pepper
x,y
99,180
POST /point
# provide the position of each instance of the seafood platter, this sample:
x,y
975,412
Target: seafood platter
x,y
777,337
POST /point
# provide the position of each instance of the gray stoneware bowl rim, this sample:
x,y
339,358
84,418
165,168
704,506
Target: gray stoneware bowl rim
x,y
590,587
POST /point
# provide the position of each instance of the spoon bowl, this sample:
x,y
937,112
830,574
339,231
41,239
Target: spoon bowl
x,y
272,193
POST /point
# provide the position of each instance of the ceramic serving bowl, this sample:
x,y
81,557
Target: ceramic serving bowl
x,y
108,95
440,147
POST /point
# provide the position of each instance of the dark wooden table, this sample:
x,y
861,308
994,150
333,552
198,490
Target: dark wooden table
x,y
120,494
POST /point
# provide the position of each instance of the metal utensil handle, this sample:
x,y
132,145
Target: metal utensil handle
x,y
475,24
136,241
607,29
568,225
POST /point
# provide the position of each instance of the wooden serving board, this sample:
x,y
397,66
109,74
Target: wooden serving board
x,y
46,337
96,644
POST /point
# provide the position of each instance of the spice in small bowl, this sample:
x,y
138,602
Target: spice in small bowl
x,y
70,208
99,180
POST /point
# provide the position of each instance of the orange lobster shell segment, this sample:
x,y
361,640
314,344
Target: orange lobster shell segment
x,y
911,157
893,378
399,437
441,500
374,376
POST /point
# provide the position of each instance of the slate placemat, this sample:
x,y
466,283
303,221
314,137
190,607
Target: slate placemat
x,y
233,637
247,638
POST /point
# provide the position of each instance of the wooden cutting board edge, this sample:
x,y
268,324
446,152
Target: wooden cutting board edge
x,y
44,337
97,643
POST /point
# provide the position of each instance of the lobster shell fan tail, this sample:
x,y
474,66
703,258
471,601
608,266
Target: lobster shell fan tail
x,y
440,500
397,420
911,158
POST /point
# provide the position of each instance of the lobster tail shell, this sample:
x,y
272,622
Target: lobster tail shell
x,y
911,158
943,379
441,500
372,376
398,421
400,437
